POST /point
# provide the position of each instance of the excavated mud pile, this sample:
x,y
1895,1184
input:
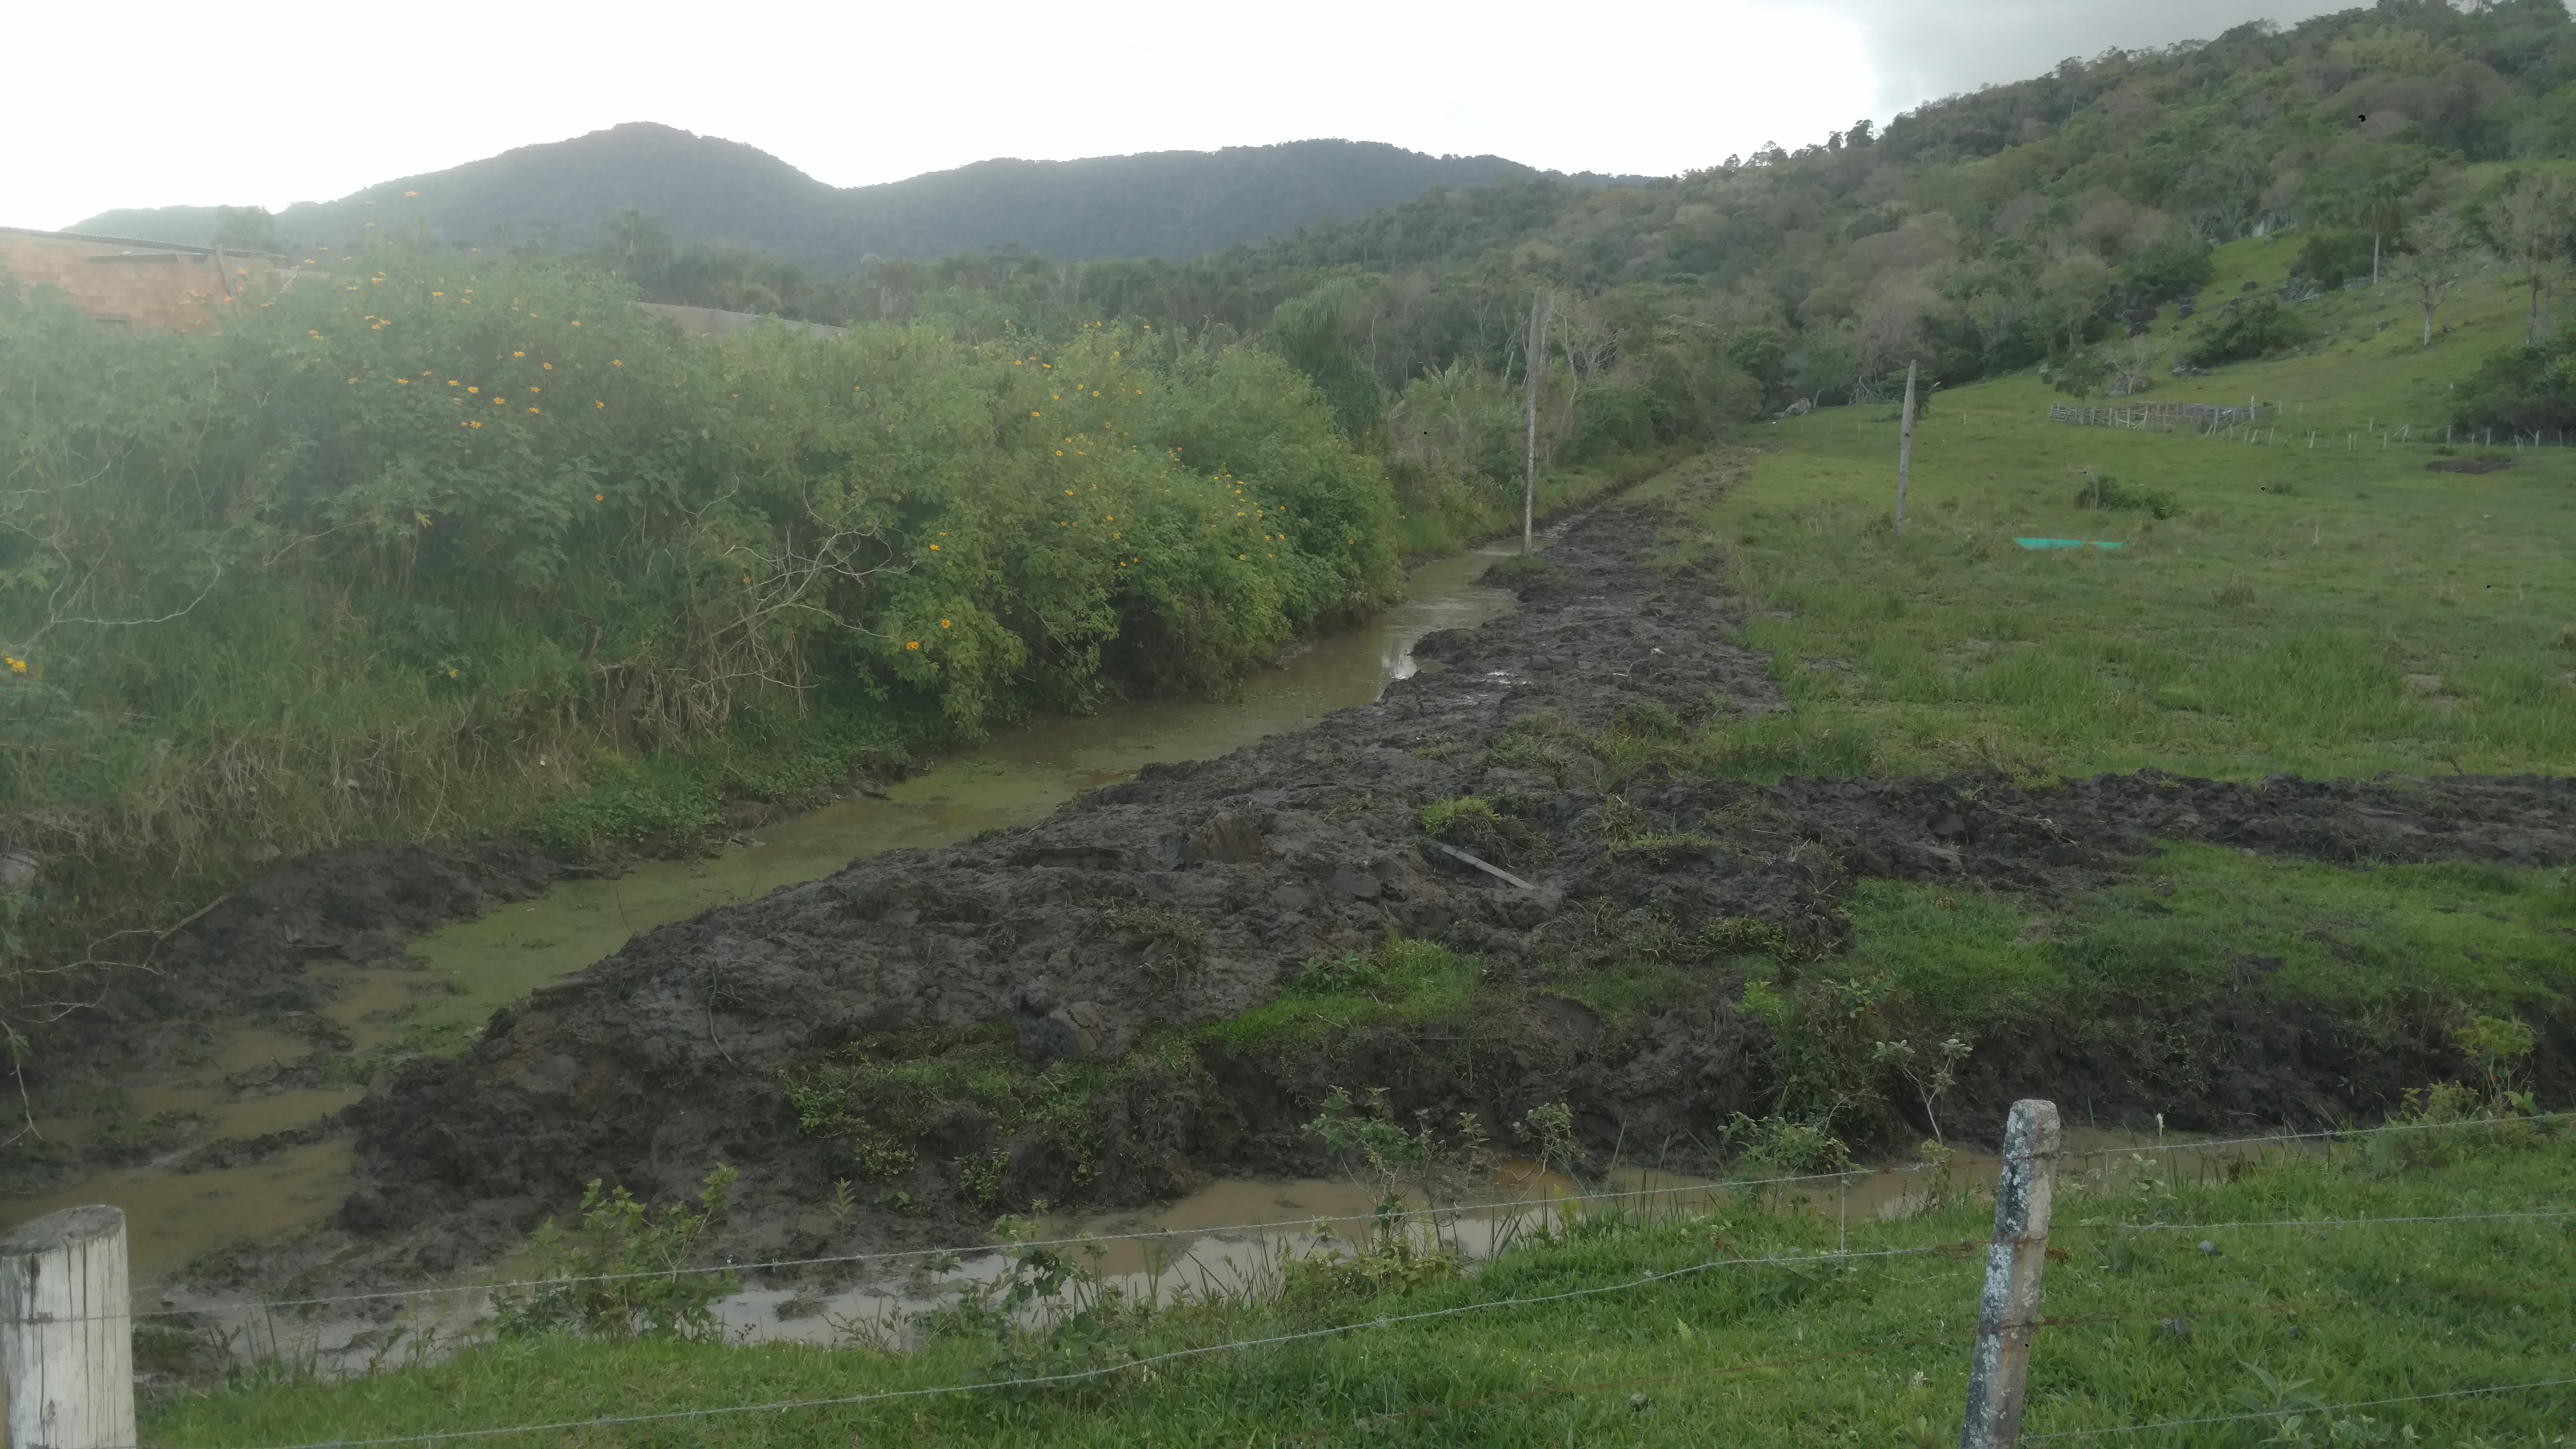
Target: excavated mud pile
x,y
1193,893
251,951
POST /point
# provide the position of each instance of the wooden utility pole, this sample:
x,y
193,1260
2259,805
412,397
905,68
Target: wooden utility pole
x,y
1904,449
67,1331
2008,1309
1536,367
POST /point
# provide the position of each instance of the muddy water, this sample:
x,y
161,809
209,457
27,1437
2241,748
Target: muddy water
x,y
474,967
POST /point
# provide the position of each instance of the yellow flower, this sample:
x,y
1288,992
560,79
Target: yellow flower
x,y
536,389
353,382
451,382
1033,415
451,674
598,404
599,498
518,354
532,409
943,624
415,193
934,548
470,389
438,294
17,666
473,425
496,402
915,644
548,366
613,362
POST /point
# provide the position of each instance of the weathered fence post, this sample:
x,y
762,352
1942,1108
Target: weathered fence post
x,y
67,1332
1904,449
2008,1309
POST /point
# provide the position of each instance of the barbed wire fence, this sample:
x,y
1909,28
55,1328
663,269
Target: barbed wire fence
x,y
29,1320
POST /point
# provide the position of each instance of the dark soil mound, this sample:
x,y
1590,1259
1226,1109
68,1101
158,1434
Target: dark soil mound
x,y
249,952
1194,893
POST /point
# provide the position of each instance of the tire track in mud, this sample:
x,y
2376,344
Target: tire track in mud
x,y
1193,893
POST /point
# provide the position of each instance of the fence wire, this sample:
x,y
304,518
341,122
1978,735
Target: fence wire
x,y
1148,1361
1675,1191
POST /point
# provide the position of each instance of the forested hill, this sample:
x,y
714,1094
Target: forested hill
x,y
1175,204
2041,222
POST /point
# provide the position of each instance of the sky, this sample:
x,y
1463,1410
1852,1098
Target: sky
x,y
168,104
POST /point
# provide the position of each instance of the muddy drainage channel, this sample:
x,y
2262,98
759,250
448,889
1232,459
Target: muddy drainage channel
x,y
1232,1240
255,1084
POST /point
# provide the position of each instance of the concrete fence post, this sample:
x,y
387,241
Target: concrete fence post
x,y
2008,1309
67,1332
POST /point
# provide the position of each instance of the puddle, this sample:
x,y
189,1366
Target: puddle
x,y
171,1217
475,967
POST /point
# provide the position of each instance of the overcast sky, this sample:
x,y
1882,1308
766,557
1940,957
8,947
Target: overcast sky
x,y
153,103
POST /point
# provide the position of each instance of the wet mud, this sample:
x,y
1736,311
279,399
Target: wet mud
x,y
1194,892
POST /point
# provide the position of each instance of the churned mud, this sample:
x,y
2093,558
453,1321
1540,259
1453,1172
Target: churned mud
x,y
1104,935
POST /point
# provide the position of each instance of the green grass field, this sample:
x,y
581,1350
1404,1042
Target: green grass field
x,y
2325,611
2146,1325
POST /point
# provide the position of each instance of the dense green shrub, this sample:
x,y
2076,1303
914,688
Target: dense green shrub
x,y
406,545
2529,389
2258,327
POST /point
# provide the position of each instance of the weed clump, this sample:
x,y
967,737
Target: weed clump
x,y
2107,494
631,1274
884,1094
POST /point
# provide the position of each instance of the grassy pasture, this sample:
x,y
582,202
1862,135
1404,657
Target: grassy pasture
x,y
2322,611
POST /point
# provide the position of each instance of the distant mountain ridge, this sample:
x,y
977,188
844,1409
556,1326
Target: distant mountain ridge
x,y
1172,204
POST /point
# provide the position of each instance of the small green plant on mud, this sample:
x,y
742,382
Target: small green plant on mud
x,y
1739,936
630,1274
1483,827
1543,743
1550,1127
1620,821
2498,1046
884,1093
1466,814
1782,1147
1826,1033
1172,939
979,1179
1399,1255
1391,972
1364,1134
1930,1070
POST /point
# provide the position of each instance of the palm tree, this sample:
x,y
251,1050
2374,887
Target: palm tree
x,y
2384,206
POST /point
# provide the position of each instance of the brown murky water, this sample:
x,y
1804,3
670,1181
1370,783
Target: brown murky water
x,y
475,967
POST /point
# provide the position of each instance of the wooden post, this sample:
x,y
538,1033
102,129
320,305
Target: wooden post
x,y
1537,365
67,1332
1904,449
2008,1309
